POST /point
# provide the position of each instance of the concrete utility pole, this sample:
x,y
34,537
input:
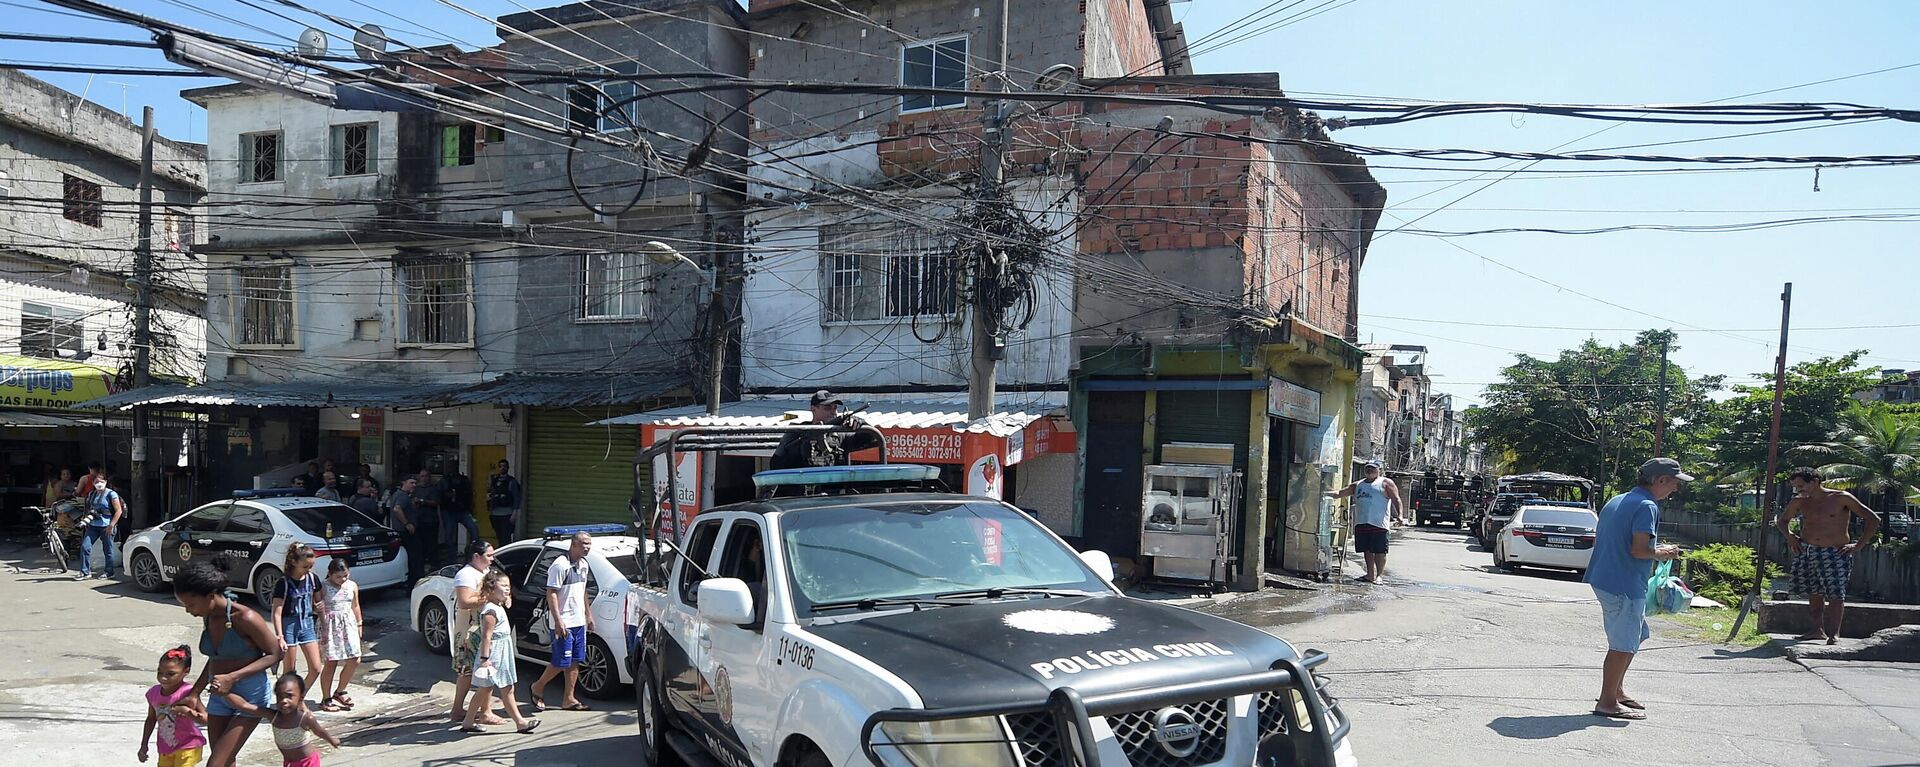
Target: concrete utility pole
x,y
987,264
143,320
1772,488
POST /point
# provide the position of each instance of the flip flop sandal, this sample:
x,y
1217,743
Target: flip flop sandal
x,y
1633,704
331,707
464,728
1625,713
577,707
339,700
539,706
532,724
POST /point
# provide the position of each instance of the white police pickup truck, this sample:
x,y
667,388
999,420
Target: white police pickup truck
x,y
855,623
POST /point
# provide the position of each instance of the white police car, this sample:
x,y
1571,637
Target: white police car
x,y
248,536
613,567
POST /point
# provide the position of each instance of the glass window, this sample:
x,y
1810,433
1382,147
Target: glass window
x,y
80,200
745,554
52,332
1558,518
935,64
205,520
615,286
700,554
463,144
872,272
249,521
316,519
537,577
515,564
921,549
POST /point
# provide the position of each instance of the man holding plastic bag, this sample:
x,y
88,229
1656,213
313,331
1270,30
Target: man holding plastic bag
x,y
1624,550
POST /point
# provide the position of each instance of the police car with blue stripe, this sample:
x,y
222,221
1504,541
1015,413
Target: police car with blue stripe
x,y
861,615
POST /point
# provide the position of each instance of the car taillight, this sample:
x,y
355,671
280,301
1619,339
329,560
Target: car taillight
x,y
1528,533
394,544
333,552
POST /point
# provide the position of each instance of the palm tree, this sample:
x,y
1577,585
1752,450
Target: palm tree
x,y
1874,452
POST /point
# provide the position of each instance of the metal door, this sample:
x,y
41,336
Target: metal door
x,y
682,652
536,634
736,659
1116,429
191,539
578,474
243,542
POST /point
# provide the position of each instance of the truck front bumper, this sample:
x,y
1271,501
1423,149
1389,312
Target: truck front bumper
x,y
1279,716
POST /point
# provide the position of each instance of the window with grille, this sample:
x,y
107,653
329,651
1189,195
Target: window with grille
x,y
615,286
436,301
80,200
51,332
353,148
879,272
259,158
264,306
934,64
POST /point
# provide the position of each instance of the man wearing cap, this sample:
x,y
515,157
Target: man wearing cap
x,y
805,450
1624,549
1374,500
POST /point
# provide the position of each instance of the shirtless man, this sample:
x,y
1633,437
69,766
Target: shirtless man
x,y
1823,551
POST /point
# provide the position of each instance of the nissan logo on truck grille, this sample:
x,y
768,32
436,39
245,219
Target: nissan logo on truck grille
x,y
1176,731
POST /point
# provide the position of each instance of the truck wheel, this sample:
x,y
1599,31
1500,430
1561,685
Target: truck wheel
x,y
807,755
651,716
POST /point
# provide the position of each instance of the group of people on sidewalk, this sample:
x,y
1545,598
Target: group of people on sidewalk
x,y
429,513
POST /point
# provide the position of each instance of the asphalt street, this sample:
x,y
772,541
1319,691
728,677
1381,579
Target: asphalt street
x,y
1448,663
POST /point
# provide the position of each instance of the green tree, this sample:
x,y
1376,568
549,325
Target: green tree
x,y
1591,411
1874,452
1817,398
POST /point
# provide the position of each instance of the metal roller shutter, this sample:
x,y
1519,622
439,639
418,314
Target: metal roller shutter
x,y
1205,416
579,474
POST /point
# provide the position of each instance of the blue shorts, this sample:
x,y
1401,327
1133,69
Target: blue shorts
x,y
1625,619
299,632
256,689
570,647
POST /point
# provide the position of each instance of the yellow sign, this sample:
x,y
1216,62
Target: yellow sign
x,y
30,382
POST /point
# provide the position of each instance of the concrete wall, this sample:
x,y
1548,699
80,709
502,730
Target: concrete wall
x,y
786,344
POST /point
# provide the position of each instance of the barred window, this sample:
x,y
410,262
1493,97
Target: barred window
x,y
264,306
436,301
259,157
353,147
615,286
80,200
872,272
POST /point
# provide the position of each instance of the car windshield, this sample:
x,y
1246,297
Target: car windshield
x,y
315,519
627,561
1558,517
922,549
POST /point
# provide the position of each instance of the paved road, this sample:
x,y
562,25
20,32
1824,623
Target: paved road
x,y
1449,663
1454,663
78,656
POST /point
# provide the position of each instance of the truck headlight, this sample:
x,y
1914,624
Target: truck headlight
x,y
979,741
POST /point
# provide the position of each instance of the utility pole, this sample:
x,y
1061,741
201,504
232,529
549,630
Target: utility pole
x,y
1772,488
1660,422
987,266
143,319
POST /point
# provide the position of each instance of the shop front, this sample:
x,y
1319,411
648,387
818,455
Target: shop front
x,y
42,431
1010,455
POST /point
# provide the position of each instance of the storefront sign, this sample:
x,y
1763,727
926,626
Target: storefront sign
x,y
678,508
29,382
373,435
1293,402
924,445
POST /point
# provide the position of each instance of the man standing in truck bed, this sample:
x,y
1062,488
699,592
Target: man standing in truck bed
x,y
797,451
1823,551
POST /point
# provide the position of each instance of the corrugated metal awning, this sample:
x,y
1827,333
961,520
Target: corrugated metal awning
x,y
566,390
284,394
1014,412
48,419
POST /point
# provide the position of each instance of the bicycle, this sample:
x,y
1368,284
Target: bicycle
x,y
61,532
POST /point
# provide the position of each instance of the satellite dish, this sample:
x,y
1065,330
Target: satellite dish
x,y
313,43
370,42
1057,78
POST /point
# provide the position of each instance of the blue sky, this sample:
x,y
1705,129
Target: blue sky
x,y
1495,293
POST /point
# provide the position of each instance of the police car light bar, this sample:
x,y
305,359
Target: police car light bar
x,y
841,475
563,531
269,492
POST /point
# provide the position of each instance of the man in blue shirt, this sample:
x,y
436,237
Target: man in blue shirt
x,y
1624,550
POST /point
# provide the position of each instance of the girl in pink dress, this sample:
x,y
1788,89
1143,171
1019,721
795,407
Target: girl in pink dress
x,y
174,715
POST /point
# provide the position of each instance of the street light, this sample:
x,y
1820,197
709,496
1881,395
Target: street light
x,y
665,255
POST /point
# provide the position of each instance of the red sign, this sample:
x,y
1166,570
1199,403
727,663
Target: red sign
x,y
925,446
989,532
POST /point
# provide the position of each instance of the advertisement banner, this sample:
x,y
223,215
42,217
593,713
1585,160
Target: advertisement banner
x,y
373,435
30,382
1293,402
675,513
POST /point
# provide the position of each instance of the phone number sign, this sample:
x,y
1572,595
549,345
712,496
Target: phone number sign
x,y
925,447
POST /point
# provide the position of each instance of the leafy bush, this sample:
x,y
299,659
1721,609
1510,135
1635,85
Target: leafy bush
x,y
1723,572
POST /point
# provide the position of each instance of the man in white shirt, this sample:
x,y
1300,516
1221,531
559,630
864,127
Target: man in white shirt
x,y
467,601
571,622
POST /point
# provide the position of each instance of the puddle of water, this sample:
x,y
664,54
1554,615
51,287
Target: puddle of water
x,y
1290,607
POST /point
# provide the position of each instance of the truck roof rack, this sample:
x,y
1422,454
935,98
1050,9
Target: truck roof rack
x,y
862,478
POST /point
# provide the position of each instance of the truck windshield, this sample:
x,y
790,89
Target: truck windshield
x,y
913,550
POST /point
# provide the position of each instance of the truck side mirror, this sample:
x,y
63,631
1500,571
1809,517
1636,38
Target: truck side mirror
x,y
726,601
1101,563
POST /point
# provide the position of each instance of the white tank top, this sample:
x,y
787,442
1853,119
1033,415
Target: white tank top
x,y
1370,502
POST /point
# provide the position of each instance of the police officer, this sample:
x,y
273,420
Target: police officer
x,y
816,449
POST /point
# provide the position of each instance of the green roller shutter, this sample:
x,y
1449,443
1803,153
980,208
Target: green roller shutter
x,y
1205,416
578,474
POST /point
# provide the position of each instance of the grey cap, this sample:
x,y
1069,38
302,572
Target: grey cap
x,y
1662,467
1370,465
